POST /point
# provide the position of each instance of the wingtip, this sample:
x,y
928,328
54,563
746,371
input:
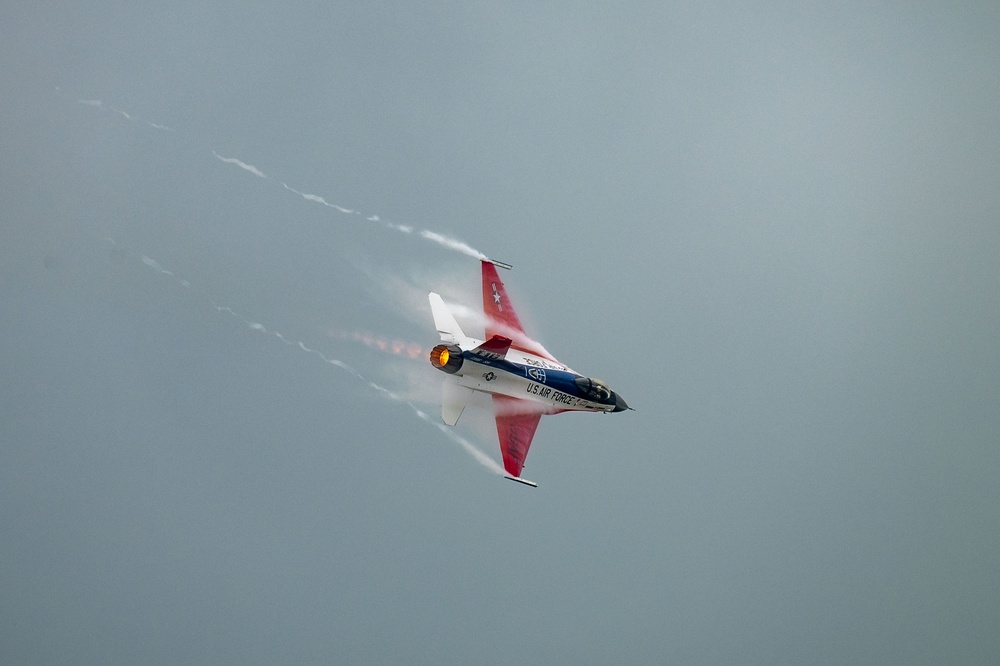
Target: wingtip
x,y
501,264
520,480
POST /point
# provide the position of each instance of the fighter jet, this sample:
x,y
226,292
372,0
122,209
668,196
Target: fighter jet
x,y
524,380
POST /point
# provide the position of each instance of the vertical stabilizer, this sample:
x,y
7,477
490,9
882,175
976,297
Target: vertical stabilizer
x,y
445,322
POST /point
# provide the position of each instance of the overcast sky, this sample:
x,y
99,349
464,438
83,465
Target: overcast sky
x,y
774,231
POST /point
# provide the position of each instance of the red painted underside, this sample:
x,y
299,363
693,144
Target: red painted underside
x,y
515,428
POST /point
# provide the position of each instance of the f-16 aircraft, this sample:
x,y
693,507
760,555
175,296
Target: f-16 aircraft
x,y
524,380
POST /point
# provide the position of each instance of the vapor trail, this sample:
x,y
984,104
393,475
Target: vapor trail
x,y
320,200
101,105
440,239
152,263
453,244
470,448
243,165
433,236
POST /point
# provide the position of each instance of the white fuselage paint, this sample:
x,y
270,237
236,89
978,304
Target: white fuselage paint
x,y
515,382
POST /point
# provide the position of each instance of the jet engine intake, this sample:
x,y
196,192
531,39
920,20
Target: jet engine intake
x,y
447,358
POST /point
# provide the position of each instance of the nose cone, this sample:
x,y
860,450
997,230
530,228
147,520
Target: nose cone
x,y
620,404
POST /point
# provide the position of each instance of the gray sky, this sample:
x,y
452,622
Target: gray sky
x,y
774,231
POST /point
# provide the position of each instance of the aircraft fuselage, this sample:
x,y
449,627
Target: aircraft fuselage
x,y
525,376
524,380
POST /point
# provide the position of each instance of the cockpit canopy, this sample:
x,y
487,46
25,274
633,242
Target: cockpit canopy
x,y
593,389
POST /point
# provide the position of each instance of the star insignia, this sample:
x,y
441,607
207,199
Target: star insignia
x,y
496,298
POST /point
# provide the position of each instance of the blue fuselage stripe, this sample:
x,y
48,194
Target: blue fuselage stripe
x,y
556,379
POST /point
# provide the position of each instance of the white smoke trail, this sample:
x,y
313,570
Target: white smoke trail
x,y
243,165
483,459
320,200
470,448
480,457
405,228
96,103
152,263
453,244
433,236
440,239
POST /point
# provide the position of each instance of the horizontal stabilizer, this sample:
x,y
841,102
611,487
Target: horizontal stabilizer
x,y
495,348
520,480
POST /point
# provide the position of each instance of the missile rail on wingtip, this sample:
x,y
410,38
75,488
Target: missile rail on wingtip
x,y
520,480
500,264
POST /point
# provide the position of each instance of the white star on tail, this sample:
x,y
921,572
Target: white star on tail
x,y
496,297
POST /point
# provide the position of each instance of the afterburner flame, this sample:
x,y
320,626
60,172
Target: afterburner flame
x,y
440,356
446,358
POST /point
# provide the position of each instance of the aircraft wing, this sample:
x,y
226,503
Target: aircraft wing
x,y
516,423
502,319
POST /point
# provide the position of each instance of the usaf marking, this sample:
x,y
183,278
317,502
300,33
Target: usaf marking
x,y
555,396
